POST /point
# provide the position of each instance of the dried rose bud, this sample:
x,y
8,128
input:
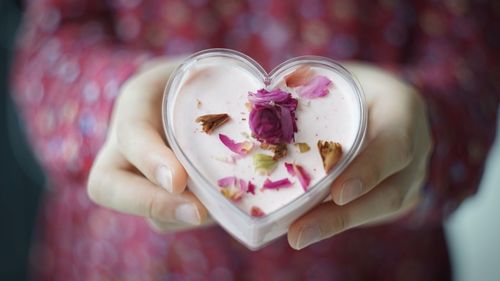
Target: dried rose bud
x,y
210,122
330,152
272,118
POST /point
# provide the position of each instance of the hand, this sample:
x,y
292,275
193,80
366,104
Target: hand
x,y
384,181
135,172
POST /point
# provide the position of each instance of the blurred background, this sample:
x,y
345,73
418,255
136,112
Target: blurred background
x,y
22,179
473,231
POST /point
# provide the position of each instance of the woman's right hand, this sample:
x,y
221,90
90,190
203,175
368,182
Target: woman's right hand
x,y
135,172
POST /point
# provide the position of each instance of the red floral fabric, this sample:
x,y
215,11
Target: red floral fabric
x,y
72,57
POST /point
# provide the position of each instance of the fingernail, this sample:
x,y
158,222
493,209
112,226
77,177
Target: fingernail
x,y
307,236
187,213
164,178
351,190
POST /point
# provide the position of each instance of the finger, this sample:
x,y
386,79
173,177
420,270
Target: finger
x,y
391,199
131,193
387,153
143,147
138,130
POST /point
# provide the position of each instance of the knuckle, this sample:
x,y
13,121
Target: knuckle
x,y
374,175
94,186
395,199
155,205
158,227
122,137
406,147
336,224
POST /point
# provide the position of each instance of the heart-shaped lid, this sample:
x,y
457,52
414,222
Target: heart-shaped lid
x,y
262,149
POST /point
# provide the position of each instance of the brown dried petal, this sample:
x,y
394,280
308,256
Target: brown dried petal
x,y
299,77
210,122
279,150
330,152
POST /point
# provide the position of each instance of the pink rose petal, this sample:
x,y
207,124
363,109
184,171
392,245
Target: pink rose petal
x,y
303,177
243,185
268,184
227,181
317,87
251,188
256,212
241,148
289,169
299,172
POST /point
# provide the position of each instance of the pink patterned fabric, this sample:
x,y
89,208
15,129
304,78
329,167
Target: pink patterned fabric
x,y
73,56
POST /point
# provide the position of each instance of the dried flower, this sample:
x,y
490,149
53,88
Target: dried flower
x,y
285,182
232,194
279,150
299,172
241,148
315,88
272,118
251,188
303,147
210,122
227,181
298,77
256,212
330,152
234,188
263,163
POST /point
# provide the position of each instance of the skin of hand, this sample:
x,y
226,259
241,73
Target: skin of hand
x,y
384,181
135,172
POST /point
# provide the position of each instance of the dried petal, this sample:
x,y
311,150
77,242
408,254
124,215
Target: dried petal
x,y
299,172
285,182
303,147
256,212
243,185
232,188
298,77
330,152
227,159
232,194
241,148
289,169
251,188
317,87
210,122
279,150
227,181
263,163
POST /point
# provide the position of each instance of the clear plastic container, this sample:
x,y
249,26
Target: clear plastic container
x,y
255,232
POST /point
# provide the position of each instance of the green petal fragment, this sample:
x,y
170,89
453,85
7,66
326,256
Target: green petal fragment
x,y
303,147
263,163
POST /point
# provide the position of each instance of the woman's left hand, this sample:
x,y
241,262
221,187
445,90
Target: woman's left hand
x,y
384,181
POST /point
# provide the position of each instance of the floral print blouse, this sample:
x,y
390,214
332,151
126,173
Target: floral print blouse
x,y
72,56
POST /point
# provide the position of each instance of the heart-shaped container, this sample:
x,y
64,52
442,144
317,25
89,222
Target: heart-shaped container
x,y
255,232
